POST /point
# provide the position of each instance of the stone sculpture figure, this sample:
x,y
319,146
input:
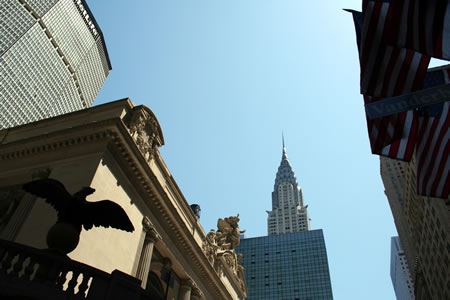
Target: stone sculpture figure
x,y
75,212
219,248
228,233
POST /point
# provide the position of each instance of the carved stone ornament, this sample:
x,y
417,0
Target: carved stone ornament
x,y
196,291
150,230
143,129
228,233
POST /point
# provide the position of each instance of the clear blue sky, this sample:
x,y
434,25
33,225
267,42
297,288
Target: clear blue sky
x,y
224,79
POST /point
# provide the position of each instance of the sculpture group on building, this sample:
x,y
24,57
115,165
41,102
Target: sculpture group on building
x,y
219,245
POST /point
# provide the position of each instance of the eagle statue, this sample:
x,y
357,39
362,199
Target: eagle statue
x,y
75,211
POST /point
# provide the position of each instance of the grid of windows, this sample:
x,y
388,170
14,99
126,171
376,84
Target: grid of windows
x,y
32,76
41,7
73,38
286,266
15,20
90,74
49,67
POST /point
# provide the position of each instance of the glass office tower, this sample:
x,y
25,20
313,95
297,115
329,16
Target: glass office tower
x,y
53,59
291,266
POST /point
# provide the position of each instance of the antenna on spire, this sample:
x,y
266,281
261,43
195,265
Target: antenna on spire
x,y
284,148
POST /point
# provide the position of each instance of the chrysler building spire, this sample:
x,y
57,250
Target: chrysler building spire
x,y
289,214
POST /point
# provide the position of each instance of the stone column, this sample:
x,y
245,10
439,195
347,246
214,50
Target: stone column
x,y
151,237
185,290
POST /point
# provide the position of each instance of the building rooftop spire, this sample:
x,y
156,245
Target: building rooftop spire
x,y
284,148
289,213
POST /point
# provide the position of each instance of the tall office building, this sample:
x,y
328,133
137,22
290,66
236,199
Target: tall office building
x,y
291,266
53,59
289,214
423,225
400,276
291,262
393,174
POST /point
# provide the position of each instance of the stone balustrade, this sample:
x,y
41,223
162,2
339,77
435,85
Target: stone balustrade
x,y
29,273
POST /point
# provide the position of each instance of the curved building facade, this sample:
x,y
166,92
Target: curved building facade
x,y
53,59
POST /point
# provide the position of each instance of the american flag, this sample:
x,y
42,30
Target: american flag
x,y
423,26
387,71
393,136
433,147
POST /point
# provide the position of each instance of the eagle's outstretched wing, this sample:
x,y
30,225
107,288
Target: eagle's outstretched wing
x,y
107,214
51,190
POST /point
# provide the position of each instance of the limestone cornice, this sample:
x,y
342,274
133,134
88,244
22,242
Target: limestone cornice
x,y
110,128
40,144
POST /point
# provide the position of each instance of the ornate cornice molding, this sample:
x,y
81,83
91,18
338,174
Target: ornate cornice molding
x,y
62,143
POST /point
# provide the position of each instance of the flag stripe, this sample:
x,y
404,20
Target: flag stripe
x,y
444,152
437,151
386,70
432,147
420,25
443,45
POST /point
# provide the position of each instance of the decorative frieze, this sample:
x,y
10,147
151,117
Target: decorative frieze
x,y
56,145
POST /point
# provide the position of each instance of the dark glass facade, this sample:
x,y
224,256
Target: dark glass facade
x,y
291,266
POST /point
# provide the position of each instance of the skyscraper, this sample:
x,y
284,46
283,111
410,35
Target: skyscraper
x,y
53,59
289,214
400,276
291,262
393,174
423,225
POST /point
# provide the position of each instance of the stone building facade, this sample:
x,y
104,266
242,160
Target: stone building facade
x,y
112,148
